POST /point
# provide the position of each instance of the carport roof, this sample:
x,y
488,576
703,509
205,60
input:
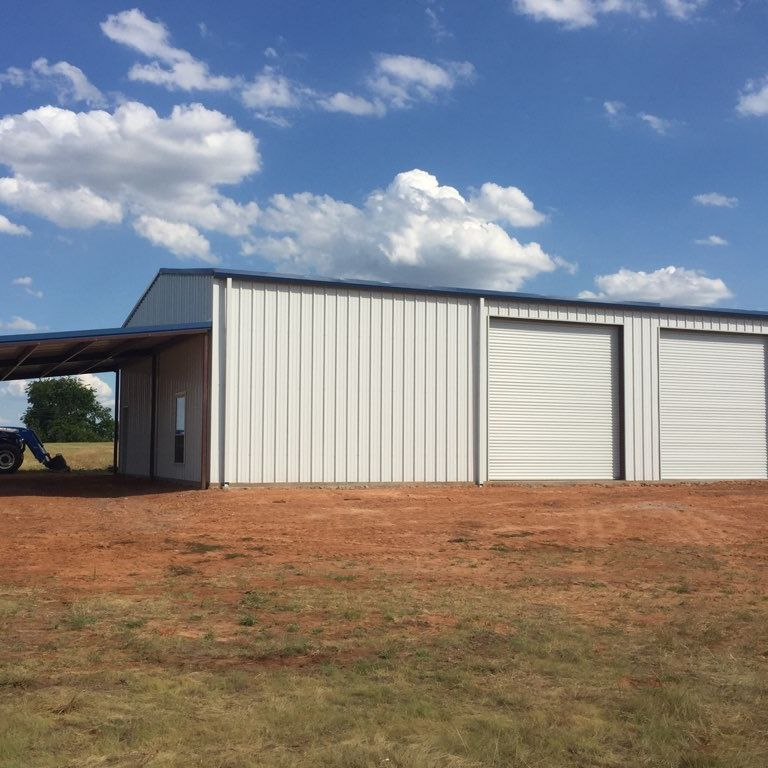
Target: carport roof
x,y
36,355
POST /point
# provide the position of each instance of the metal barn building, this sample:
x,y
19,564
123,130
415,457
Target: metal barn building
x,y
230,377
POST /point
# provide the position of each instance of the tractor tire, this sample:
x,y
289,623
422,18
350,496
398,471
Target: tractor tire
x,y
10,459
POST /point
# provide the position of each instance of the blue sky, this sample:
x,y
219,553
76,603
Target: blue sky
x,y
614,148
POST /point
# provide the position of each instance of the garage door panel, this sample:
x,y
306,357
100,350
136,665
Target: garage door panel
x,y
553,401
712,392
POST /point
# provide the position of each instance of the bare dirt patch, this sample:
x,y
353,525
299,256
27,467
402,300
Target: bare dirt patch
x,y
95,533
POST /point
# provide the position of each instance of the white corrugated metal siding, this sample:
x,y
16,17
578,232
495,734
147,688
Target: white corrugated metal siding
x,y
712,406
553,397
174,299
328,384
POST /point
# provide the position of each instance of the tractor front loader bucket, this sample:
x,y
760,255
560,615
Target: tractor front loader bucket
x,y
57,463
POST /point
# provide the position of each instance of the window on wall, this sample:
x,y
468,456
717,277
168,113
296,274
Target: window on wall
x,y
181,429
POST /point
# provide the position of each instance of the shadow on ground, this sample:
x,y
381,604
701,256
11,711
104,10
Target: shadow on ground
x,y
91,485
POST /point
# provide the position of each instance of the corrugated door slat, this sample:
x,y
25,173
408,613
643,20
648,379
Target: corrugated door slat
x,y
713,406
553,395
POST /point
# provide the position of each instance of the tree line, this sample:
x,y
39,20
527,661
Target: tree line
x,y
65,410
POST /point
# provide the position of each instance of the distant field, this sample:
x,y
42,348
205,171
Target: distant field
x,y
82,456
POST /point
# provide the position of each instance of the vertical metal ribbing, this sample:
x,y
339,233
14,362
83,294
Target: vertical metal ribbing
x,y
205,437
226,388
481,396
152,417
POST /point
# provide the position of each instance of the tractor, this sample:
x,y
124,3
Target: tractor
x,y
13,442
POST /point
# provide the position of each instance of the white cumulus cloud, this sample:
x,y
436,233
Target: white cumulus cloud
x,y
659,125
179,238
668,285
352,105
270,94
79,169
617,115
753,100
570,13
712,240
19,325
395,82
508,205
171,67
100,387
400,81
715,200
7,227
577,14
439,31
69,82
683,9
75,206
271,90
17,390
414,230
613,108
26,283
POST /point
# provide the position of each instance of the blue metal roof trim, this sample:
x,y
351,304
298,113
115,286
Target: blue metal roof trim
x,y
95,333
446,291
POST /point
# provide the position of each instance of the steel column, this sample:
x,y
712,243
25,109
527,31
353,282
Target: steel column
x,y
153,418
116,438
205,463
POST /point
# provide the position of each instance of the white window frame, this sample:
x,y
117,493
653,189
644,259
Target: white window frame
x,y
176,397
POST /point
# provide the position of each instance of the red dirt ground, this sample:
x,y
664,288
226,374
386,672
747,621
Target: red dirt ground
x,y
628,620
81,534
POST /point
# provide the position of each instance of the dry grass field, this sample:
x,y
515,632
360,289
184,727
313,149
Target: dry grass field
x,y
532,626
80,456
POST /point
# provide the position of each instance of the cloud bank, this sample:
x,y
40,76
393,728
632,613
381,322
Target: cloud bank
x,y
668,285
414,230
81,169
395,81
578,14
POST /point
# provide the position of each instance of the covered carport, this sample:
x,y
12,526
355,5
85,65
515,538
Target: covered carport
x,y
123,351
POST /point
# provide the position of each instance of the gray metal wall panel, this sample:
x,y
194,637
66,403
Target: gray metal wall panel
x,y
336,385
135,395
180,370
174,299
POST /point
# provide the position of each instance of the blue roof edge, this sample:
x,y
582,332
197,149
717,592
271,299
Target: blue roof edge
x,y
95,333
277,277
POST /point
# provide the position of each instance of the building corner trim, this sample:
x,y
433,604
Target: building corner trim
x,y
481,395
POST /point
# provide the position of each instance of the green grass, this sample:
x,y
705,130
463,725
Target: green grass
x,y
80,456
505,682
278,668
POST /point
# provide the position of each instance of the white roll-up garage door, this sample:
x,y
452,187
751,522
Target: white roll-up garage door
x,y
553,401
712,397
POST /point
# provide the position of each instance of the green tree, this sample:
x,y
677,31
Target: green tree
x,y
66,411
